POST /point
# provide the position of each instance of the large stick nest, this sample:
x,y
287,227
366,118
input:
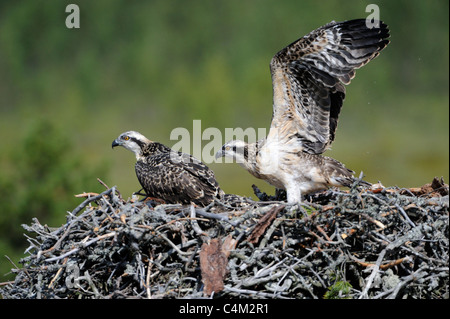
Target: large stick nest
x,y
377,243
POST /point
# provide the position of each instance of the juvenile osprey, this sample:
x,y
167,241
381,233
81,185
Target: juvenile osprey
x,y
308,78
172,176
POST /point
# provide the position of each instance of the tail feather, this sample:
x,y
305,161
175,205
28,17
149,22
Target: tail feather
x,y
341,175
352,181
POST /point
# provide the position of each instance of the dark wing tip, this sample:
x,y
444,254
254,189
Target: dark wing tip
x,y
365,32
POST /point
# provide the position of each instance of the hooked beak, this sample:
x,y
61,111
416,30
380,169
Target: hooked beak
x,y
219,154
115,143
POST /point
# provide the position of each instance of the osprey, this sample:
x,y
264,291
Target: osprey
x,y
308,78
175,177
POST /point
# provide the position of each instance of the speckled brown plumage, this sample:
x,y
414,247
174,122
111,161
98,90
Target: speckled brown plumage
x,y
172,176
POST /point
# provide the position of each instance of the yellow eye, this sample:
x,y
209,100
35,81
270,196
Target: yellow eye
x,y
227,148
126,138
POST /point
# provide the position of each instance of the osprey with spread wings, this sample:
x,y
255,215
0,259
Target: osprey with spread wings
x,y
308,78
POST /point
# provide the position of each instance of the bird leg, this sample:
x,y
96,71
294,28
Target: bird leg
x,y
293,194
146,197
139,193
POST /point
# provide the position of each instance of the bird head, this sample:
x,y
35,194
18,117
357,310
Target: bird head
x,y
236,149
132,141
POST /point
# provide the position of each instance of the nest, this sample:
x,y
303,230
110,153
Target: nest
x,y
370,243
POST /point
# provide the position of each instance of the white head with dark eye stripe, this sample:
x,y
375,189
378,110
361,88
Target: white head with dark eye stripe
x,y
236,149
133,141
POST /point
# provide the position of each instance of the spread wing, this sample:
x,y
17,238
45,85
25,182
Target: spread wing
x,y
308,78
178,178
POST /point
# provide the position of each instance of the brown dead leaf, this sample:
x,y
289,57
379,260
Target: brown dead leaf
x,y
213,265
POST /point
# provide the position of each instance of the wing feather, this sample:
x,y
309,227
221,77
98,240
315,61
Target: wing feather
x,y
178,178
308,78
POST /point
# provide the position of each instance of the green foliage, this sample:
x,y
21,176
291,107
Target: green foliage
x,y
339,290
47,173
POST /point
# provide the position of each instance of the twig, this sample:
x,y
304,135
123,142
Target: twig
x,y
401,210
195,225
107,187
253,292
414,276
204,213
182,253
57,274
92,199
383,266
147,279
73,251
375,270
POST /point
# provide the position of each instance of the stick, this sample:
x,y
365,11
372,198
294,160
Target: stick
x,y
195,225
383,266
50,286
182,253
402,211
147,279
253,292
204,213
87,201
73,251
373,274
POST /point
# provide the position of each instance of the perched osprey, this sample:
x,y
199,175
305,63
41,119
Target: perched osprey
x,y
308,78
175,177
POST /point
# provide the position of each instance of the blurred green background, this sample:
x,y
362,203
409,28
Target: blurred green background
x,y
152,66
